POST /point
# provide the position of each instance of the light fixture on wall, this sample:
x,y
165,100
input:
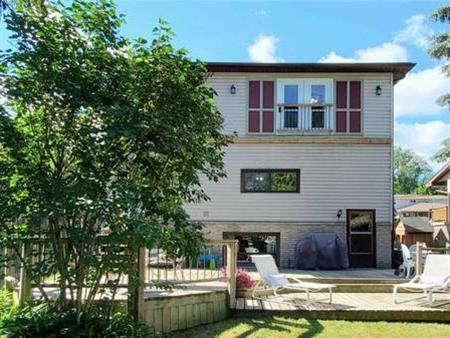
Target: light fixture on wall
x,y
339,213
378,91
233,89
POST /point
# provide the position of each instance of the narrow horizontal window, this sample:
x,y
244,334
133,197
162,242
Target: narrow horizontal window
x,y
270,180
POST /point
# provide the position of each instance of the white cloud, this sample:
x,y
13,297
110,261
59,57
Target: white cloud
x,y
416,32
264,49
260,12
386,52
417,93
423,138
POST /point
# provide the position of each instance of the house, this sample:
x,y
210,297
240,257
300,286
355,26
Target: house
x,y
412,229
420,209
402,201
440,217
313,153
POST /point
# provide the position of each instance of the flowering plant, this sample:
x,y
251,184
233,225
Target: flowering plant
x,y
243,279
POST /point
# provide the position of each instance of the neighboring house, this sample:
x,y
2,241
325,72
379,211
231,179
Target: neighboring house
x,y
402,201
420,209
440,217
313,154
412,229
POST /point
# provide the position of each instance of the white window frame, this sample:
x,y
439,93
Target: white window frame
x,y
304,97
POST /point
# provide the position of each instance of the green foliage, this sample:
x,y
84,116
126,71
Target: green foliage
x,y
102,142
440,48
52,320
410,172
6,304
443,155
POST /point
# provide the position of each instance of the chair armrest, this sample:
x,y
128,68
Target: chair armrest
x,y
415,279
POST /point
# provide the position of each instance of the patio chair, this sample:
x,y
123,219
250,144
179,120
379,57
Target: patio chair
x,y
273,280
435,277
408,262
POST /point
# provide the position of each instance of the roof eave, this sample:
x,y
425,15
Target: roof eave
x,y
436,179
398,69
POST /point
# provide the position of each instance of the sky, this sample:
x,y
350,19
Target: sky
x,y
315,31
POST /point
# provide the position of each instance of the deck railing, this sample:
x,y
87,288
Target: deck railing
x,y
305,118
217,261
209,265
422,251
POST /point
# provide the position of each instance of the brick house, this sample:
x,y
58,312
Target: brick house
x,y
313,154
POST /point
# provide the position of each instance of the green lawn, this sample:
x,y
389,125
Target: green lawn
x,y
277,327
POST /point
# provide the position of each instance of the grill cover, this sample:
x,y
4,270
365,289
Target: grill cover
x,y
323,251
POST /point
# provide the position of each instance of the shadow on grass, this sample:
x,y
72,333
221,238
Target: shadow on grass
x,y
246,327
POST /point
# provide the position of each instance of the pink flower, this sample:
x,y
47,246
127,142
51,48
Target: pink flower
x,y
243,279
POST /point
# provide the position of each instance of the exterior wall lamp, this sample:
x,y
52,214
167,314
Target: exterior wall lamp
x,y
233,89
378,91
339,213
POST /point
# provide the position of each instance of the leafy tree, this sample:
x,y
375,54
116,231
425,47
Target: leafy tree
x,y
443,154
440,50
103,141
410,172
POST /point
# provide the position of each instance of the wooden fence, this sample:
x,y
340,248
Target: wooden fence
x,y
439,214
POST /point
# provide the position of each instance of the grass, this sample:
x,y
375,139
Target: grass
x,y
278,326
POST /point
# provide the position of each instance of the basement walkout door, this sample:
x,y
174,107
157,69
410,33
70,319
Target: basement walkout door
x,y
361,238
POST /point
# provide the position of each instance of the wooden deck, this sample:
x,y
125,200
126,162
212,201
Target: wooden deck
x,y
352,306
360,274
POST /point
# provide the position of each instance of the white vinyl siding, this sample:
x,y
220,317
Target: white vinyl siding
x,y
376,112
332,177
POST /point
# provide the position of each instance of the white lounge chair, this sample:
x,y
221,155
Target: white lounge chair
x,y
273,280
408,261
435,277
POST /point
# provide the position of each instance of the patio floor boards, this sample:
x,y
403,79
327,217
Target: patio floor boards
x,y
352,306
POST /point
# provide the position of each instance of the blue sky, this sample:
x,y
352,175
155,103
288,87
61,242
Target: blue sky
x,y
310,31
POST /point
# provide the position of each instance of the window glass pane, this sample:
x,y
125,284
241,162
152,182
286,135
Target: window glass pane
x,y
361,243
361,221
284,181
257,181
318,117
290,117
317,93
291,94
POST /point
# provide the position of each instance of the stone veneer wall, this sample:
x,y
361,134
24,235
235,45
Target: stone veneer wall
x,y
290,233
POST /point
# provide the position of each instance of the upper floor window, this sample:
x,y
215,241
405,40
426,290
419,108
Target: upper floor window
x,y
348,106
270,180
304,103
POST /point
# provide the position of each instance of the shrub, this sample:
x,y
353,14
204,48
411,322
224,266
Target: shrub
x,y
243,279
52,320
6,303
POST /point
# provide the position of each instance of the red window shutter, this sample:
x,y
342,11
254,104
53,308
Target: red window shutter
x,y
341,94
268,94
267,126
341,121
355,121
355,94
253,94
253,121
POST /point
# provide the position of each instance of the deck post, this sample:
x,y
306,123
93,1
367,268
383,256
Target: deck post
x,y
7,271
25,291
232,248
419,258
141,277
